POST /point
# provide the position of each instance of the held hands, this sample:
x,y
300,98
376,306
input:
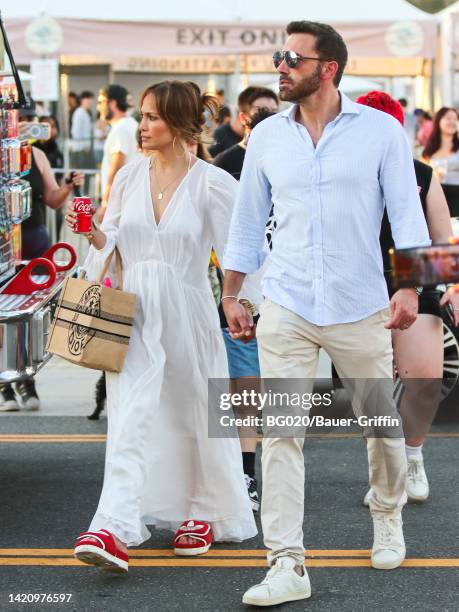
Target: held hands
x,y
240,322
404,309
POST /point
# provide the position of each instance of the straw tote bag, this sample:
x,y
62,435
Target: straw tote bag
x,y
93,323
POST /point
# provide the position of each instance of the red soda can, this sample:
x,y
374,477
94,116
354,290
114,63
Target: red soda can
x,y
84,210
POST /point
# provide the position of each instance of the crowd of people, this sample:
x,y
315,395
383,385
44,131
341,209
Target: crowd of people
x,y
297,211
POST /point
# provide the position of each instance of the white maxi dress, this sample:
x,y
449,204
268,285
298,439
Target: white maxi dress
x,y
161,467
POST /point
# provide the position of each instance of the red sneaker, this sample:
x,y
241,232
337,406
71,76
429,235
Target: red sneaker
x,y
198,530
99,548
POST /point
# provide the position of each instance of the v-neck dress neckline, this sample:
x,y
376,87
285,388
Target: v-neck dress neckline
x,y
159,224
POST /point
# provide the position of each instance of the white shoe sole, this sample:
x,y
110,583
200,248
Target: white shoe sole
x,y
191,552
9,408
93,555
387,566
412,499
276,600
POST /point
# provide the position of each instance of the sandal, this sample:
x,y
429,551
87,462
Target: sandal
x,y
100,548
198,530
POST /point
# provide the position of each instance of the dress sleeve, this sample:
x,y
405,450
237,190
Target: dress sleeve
x,y
96,257
223,190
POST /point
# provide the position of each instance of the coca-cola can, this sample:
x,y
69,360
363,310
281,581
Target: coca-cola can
x,y
84,211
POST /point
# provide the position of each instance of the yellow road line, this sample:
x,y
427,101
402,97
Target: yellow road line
x,y
88,438
207,562
168,552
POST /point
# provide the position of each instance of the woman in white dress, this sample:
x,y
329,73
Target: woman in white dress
x,y
165,213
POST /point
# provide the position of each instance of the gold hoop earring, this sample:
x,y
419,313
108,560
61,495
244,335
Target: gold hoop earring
x,y
173,148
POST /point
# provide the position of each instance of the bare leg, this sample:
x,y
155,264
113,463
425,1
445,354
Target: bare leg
x,y
418,355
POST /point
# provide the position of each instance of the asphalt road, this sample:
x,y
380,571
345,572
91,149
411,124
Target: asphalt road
x,y
50,482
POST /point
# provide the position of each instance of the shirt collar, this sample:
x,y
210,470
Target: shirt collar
x,y
348,107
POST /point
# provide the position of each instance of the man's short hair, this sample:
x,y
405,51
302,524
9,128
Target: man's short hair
x,y
262,92
403,102
119,94
243,98
329,44
86,94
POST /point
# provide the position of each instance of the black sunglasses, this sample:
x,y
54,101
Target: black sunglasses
x,y
291,58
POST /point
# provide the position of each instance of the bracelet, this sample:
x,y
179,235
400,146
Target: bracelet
x,y
229,297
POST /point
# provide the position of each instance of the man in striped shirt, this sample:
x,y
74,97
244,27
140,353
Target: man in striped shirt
x,y
329,167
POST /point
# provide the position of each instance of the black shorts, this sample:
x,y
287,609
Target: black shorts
x,y
429,300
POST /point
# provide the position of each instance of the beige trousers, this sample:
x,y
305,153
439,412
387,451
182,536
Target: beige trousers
x,y
289,348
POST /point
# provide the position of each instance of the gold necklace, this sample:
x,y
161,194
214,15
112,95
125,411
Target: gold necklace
x,y
161,191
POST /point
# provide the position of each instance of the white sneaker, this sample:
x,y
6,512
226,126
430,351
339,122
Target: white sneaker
x,y
10,405
281,584
8,399
417,485
252,491
389,545
366,499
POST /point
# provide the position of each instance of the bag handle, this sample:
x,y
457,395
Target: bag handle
x,y
119,268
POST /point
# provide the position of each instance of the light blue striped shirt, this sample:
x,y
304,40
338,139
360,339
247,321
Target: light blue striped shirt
x,y
326,262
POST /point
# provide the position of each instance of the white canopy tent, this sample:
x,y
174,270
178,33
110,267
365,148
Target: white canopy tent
x,y
210,10
394,28
392,38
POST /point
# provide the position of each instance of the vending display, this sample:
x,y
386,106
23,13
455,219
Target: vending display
x,y
29,290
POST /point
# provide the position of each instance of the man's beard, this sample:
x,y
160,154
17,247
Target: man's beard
x,y
303,89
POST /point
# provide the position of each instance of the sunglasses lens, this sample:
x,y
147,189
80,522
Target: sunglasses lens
x,y
291,59
277,58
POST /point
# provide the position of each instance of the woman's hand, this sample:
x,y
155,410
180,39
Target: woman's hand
x,y
71,216
452,297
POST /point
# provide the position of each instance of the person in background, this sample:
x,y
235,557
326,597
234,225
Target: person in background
x,y
442,148
82,134
51,147
410,121
231,133
120,146
220,95
73,103
132,111
55,157
232,159
101,127
223,116
425,125
418,351
35,241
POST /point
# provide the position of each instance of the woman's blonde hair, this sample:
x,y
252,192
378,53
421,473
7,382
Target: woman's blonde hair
x,y
182,106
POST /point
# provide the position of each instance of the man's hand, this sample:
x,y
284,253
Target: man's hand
x,y
240,322
404,309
